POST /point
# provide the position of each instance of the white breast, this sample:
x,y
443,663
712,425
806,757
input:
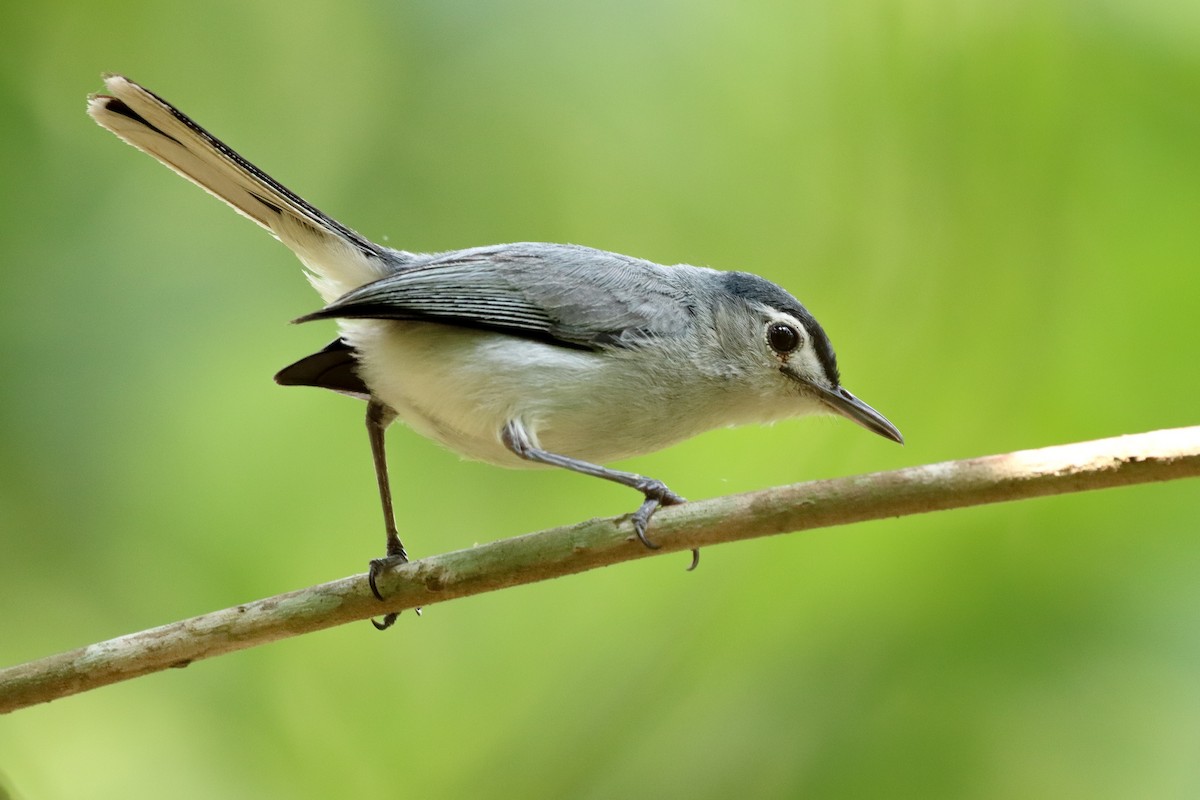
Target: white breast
x,y
460,386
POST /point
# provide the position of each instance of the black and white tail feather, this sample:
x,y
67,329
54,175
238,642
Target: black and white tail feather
x,y
338,258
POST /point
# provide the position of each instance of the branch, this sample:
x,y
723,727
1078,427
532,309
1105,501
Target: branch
x,y
1141,458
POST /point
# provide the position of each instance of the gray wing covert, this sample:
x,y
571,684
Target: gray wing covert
x,y
565,294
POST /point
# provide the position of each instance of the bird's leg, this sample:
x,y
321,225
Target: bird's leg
x,y
379,416
657,494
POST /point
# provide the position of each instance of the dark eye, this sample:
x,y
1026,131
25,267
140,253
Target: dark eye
x,y
783,338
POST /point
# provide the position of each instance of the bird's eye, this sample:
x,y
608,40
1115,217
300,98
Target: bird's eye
x,y
783,338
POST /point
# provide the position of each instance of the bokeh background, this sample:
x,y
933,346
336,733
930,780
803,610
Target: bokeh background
x,y
993,206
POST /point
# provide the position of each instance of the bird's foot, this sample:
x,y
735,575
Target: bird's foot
x,y
394,558
657,494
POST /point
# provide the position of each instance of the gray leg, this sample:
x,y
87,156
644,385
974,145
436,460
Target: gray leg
x,y
379,416
656,492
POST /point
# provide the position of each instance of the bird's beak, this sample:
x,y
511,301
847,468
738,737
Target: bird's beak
x,y
841,402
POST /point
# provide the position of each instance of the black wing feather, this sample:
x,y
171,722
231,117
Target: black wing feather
x,y
563,294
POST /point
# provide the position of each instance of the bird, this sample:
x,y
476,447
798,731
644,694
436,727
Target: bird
x,y
525,354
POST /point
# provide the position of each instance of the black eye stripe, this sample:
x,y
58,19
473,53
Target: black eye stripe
x,y
783,338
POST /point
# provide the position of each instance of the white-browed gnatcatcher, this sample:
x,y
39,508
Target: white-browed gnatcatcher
x,y
519,354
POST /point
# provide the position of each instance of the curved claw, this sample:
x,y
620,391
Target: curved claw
x,y
641,518
388,621
379,565
657,494
371,582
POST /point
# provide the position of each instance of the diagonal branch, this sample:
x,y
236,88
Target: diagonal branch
x,y
1141,458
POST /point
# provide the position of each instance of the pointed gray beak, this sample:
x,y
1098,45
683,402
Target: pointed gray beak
x,y
844,404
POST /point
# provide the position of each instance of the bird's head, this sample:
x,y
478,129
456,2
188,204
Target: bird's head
x,y
789,352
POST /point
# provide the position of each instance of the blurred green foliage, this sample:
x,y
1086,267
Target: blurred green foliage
x,y
993,207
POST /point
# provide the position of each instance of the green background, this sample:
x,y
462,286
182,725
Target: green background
x,y
993,207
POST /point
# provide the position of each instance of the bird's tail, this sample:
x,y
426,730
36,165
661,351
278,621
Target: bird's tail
x,y
339,258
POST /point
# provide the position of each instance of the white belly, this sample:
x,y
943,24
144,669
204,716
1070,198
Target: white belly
x,y
460,387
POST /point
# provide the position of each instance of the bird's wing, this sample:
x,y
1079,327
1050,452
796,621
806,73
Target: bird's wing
x,y
567,295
